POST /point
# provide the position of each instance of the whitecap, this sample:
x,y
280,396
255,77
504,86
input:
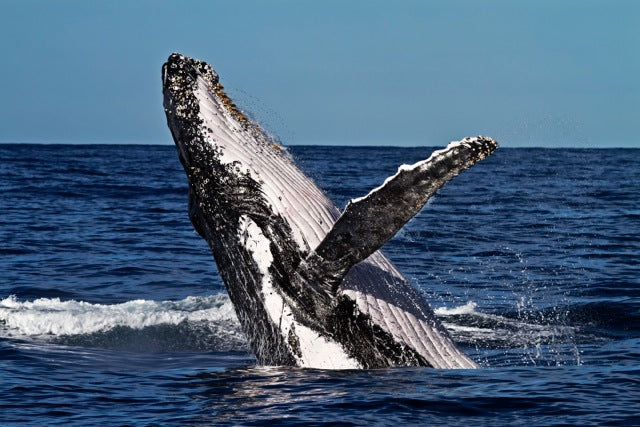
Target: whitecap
x,y
55,317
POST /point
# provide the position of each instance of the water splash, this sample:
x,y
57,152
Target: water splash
x,y
538,338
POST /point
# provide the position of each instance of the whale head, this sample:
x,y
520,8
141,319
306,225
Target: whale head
x,y
230,162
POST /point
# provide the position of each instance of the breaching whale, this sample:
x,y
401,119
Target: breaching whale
x,y
309,284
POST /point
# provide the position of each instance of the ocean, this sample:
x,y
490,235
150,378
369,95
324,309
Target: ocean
x,y
112,312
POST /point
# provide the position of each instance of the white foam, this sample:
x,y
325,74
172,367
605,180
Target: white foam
x,y
468,308
54,317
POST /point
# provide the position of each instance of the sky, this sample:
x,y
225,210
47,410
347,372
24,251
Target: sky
x,y
399,73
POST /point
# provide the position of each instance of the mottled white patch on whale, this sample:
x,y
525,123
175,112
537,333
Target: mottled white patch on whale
x,y
316,351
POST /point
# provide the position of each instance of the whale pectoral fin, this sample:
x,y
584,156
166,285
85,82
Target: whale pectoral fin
x,y
322,276
368,222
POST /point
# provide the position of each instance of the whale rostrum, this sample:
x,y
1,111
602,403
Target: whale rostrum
x,y
309,284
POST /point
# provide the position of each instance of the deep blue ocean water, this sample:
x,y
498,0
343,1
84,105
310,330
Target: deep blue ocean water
x,y
112,313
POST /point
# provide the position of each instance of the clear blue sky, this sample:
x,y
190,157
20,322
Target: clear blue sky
x,y
528,73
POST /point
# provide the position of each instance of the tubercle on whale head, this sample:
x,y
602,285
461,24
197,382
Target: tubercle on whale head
x,y
179,79
180,72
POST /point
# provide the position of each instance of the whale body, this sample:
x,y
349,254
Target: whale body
x,y
309,283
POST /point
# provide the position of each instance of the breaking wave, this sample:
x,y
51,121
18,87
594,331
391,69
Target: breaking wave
x,y
194,323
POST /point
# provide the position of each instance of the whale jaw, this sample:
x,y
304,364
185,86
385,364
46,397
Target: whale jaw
x,y
309,284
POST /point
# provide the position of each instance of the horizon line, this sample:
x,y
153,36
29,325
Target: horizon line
x,y
147,144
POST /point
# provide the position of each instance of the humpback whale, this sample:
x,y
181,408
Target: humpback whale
x,y
309,284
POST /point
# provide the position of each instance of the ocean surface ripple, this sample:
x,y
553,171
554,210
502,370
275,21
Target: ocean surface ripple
x,y
111,310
